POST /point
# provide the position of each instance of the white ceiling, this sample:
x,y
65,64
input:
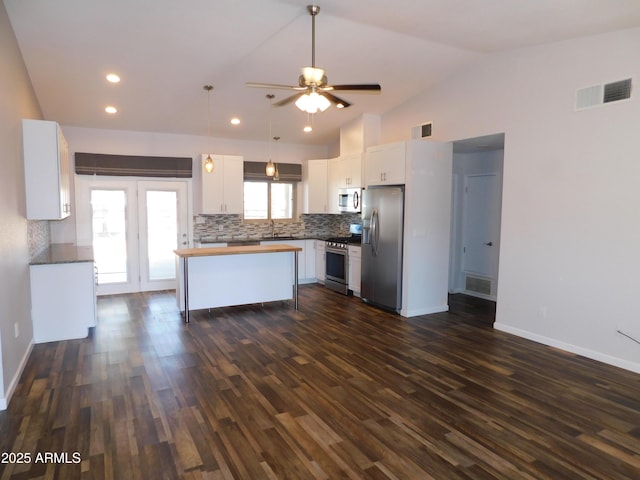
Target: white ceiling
x,y
167,50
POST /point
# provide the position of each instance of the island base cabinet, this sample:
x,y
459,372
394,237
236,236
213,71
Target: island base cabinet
x,y
63,301
226,280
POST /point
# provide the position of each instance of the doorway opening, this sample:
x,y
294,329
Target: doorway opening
x,y
476,216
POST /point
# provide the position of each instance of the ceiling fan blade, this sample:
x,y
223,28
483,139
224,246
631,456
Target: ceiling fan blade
x,y
273,85
363,87
335,100
288,100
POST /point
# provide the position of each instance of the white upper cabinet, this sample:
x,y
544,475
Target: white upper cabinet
x,y
385,164
47,170
316,187
344,172
350,170
222,189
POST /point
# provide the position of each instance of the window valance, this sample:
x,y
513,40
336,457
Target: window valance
x,y
133,165
289,172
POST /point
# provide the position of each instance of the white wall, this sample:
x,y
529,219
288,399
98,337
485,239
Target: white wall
x,y
569,255
18,101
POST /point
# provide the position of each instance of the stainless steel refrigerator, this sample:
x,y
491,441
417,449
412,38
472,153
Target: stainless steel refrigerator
x,y
382,240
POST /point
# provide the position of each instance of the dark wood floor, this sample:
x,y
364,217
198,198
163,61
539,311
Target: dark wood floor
x,y
336,390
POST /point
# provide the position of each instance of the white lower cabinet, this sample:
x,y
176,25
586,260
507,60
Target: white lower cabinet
x,y
63,301
355,264
320,261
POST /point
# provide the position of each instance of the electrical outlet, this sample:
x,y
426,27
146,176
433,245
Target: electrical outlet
x,y
16,329
220,228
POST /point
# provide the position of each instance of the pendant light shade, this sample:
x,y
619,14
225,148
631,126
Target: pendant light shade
x,y
270,170
208,163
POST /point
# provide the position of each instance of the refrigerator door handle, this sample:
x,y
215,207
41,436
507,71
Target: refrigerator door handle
x,y
375,232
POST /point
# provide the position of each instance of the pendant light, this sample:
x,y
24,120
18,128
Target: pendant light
x,y
276,175
208,163
270,169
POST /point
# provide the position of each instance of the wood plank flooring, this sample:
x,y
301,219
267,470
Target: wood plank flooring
x,y
336,390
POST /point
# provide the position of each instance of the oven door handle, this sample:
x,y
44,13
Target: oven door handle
x,y
375,232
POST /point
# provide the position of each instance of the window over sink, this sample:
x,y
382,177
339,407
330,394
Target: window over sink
x,y
265,201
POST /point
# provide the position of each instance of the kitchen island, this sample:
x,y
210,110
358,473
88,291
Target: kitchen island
x,y
237,275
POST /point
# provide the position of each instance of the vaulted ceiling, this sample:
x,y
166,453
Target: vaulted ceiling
x,y
166,50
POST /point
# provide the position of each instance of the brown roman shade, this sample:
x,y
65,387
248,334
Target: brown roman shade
x,y
133,165
289,172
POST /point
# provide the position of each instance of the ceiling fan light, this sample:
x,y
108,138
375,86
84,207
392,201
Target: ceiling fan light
x,y
312,102
313,75
322,101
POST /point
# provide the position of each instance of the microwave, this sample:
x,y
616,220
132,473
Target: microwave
x,y
350,200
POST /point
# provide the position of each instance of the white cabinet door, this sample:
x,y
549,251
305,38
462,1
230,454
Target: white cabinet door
x,y
310,259
233,184
222,189
355,264
352,168
320,261
385,164
316,187
63,301
337,175
47,170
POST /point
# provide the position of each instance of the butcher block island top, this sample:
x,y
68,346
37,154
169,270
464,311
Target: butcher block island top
x,y
235,250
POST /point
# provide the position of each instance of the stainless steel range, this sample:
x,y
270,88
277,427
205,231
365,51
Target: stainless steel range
x,y
337,260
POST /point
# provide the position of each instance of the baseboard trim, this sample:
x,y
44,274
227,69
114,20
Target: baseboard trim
x,y
568,347
4,401
424,311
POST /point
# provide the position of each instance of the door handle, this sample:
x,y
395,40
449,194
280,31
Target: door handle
x,y
489,244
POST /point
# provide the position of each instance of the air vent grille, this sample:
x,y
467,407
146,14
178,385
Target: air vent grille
x,y
617,91
478,285
601,94
424,130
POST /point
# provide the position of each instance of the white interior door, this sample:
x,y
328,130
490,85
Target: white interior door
x,y
134,226
481,225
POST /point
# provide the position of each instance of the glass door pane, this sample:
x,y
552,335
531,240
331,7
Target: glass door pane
x,y
109,230
163,227
162,234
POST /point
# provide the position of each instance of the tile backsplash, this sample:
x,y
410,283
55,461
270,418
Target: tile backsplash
x,y
224,227
38,237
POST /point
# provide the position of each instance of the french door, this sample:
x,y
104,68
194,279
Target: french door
x,y
133,226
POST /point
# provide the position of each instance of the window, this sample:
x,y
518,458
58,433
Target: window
x,y
269,200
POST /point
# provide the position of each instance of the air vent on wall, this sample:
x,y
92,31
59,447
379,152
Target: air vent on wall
x,y
422,131
477,285
600,94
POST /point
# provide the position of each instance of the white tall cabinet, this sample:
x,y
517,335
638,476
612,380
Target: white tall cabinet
x,y
47,170
222,189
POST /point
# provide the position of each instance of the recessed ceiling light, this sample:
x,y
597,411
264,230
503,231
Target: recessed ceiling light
x,y
235,121
113,78
111,109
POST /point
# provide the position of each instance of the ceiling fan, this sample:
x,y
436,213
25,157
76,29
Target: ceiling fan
x,y
314,92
